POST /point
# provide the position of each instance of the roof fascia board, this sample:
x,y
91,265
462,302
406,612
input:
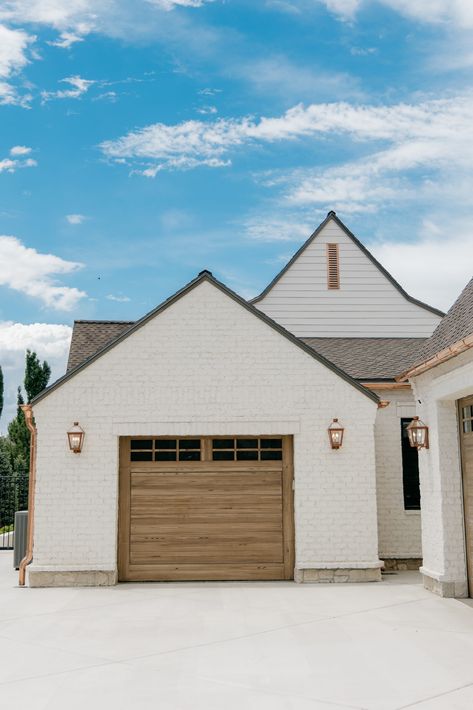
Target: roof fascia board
x,y
308,242
207,276
442,356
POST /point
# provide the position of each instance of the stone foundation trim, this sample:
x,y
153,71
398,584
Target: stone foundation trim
x,y
338,575
400,564
443,588
77,578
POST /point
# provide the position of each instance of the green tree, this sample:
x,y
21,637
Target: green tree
x,y
36,375
19,439
1,391
7,488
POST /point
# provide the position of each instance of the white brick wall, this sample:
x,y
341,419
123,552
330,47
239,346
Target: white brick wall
x,y
443,544
399,530
205,366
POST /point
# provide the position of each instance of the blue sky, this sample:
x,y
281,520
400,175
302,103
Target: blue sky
x,y
143,141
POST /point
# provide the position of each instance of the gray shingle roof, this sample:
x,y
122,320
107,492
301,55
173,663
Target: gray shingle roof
x,y
456,325
369,358
90,336
362,358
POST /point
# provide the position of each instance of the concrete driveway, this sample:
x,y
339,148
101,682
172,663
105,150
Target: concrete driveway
x,y
234,646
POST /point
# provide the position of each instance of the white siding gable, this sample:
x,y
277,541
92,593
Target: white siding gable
x,y
367,304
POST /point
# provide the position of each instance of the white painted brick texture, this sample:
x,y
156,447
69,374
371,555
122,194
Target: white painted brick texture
x,y
399,530
440,469
205,365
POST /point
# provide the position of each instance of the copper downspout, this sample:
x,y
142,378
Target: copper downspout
x,y
28,412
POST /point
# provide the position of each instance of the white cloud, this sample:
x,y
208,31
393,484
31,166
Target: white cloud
x,y
50,341
46,339
75,218
20,150
12,164
455,12
79,85
29,272
14,45
66,40
435,267
433,134
118,299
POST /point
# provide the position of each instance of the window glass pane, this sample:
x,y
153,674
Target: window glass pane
x,y
189,444
467,426
189,455
271,443
223,443
165,443
165,456
141,444
247,455
141,456
247,443
410,470
223,456
271,456
467,412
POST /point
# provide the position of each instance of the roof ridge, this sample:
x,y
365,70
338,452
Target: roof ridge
x,y
100,320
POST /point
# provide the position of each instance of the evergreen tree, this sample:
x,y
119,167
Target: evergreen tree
x,y
1,391
36,375
19,439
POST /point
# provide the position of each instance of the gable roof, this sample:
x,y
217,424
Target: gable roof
x,y
205,276
451,336
332,216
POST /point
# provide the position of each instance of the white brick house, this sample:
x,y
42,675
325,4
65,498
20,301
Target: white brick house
x,y
206,451
442,380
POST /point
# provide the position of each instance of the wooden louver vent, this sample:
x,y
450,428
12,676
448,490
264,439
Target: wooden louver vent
x,y
333,266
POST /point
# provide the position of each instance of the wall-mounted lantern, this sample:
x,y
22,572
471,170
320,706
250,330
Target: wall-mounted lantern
x,y
335,433
75,437
418,434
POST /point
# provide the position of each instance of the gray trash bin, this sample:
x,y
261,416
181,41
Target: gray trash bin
x,y
19,539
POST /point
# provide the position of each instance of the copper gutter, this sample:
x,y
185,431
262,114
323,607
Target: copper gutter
x,y
28,412
459,347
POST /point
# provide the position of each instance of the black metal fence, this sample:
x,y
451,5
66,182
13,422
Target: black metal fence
x,y
13,497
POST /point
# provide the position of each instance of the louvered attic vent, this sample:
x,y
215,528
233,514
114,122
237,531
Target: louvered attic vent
x,y
333,266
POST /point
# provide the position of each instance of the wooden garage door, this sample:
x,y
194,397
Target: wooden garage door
x,y
208,508
465,412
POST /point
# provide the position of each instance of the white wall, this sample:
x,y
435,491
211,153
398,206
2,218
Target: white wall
x,y
443,541
366,305
399,530
205,366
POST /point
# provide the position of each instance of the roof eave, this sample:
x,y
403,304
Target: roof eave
x,y
442,356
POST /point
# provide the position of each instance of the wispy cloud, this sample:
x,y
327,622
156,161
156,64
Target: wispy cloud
x,y
29,272
268,229
75,218
79,86
431,134
118,299
457,12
